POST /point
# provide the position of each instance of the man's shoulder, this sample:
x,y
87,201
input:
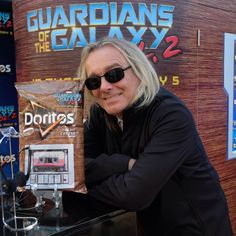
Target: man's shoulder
x,y
167,102
165,97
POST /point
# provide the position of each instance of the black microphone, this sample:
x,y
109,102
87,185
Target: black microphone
x,y
19,181
13,185
8,186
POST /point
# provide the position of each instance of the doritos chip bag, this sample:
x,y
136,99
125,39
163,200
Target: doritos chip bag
x,y
53,154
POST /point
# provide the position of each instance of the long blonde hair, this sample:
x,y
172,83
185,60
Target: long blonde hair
x,y
141,66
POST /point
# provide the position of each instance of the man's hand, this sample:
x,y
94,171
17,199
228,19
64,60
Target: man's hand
x,y
131,163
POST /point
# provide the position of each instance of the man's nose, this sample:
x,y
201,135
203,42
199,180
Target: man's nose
x,y
105,84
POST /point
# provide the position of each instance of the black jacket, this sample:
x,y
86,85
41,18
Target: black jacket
x,y
172,186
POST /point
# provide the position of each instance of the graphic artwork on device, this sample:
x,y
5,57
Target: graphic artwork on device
x,y
50,165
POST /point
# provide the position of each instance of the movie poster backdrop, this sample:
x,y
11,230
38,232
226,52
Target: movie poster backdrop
x,y
50,36
183,40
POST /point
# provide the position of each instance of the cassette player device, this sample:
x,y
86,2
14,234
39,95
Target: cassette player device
x,y
53,153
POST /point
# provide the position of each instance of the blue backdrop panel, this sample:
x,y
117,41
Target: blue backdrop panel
x,y
8,95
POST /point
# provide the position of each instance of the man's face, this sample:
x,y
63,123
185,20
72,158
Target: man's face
x,y
112,97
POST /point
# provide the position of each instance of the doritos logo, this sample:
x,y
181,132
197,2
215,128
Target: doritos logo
x,y
5,68
45,119
49,118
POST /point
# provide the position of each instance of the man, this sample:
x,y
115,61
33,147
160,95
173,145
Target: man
x,y
142,149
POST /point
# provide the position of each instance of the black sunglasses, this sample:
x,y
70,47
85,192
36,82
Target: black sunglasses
x,y
112,76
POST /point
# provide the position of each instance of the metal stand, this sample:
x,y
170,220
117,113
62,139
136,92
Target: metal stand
x,y
39,199
57,196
